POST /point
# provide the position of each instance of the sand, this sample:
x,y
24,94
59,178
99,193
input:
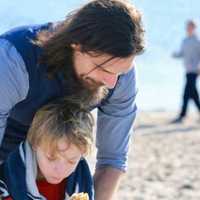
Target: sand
x,y
164,159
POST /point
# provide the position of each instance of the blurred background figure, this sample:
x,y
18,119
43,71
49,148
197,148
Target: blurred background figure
x,y
190,52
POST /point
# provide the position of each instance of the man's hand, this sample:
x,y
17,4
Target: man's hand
x,y
106,181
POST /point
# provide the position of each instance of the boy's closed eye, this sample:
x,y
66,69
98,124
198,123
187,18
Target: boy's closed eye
x,y
52,158
72,162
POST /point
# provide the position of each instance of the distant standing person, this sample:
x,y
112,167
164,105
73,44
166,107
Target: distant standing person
x,y
190,52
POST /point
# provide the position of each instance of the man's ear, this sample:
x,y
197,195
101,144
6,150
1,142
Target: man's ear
x,y
76,47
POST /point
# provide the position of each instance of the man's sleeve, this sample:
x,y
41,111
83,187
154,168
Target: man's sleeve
x,y
14,81
114,123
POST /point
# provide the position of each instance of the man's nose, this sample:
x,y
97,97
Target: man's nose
x,y
110,80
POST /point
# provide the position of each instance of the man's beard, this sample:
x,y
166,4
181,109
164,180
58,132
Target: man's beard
x,y
94,92
84,90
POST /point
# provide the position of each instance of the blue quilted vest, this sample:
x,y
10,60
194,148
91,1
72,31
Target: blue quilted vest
x,y
41,89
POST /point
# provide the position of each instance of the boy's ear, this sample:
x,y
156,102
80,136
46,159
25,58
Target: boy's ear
x,y
34,147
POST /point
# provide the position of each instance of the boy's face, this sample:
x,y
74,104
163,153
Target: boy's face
x,y
55,168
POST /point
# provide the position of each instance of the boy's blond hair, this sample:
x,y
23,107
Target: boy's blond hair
x,y
64,119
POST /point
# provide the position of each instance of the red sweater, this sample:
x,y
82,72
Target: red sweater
x,y
52,191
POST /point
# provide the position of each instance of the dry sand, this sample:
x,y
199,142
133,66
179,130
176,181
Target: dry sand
x,y
164,159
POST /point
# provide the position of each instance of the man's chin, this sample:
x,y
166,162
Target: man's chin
x,y
98,95
90,92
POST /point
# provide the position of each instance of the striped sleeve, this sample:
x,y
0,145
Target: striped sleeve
x,y
14,81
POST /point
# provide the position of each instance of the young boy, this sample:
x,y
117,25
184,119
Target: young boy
x,y
49,164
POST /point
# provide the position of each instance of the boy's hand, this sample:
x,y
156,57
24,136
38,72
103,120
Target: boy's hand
x,y
79,196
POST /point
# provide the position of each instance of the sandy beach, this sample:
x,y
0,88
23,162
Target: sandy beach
x,y
164,159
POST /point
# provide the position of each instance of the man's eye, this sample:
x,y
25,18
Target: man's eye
x,y
109,72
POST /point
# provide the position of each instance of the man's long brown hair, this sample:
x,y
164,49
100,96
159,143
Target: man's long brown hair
x,y
111,27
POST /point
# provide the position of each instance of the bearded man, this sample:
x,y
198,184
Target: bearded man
x,y
90,56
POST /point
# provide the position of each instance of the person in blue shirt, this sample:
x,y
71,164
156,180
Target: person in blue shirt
x,y
190,52
88,56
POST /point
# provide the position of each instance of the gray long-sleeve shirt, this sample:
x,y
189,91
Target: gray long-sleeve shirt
x,y
115,118
14,82
190,52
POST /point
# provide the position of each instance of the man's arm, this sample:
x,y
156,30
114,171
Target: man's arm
x,y
114,122
106,182
14,81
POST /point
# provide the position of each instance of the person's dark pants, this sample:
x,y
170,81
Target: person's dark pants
x,y
190,92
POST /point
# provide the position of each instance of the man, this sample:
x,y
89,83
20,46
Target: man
x,y
88,56
190,52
